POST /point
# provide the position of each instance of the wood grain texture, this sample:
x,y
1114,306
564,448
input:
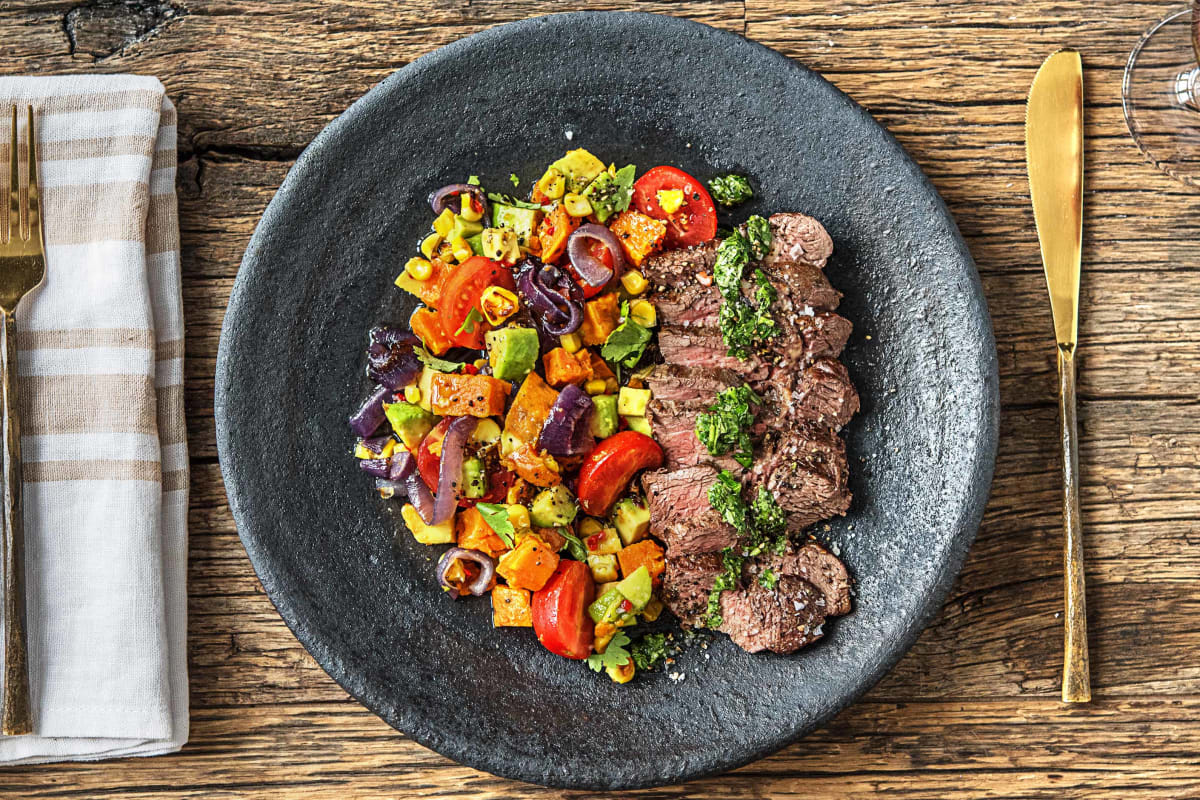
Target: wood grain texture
x,y
972,711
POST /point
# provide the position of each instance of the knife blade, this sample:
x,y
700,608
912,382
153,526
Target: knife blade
x,y
1054,157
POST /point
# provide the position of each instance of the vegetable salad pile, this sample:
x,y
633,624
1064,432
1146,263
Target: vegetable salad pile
x,y
512,416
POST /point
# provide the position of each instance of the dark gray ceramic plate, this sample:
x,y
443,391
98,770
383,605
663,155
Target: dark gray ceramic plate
x,y
633,88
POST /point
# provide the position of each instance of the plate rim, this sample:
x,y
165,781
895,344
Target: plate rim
x,y
982,462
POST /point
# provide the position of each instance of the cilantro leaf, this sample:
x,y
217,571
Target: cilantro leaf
x,y
649,651
626,344
468,325
433,362
615,655
509,200
473,180
575,547
512,176
496,517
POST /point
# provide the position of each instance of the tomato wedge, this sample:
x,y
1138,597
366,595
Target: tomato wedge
x,y
597,251
696,220
560,617
608,469
460,297
428,464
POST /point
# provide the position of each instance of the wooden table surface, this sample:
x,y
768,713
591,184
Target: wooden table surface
x,y
973,709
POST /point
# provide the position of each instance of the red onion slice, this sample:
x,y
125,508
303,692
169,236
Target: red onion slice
x,y
379,467
553,296
592,270
450,471
567,431
477,587
369,416
446,196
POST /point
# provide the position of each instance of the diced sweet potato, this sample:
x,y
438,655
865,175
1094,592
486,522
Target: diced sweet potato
x,y
533,466
530,408
553,539
529,565
563,367
646,553
511,608
456,395
600,318
554,231
638,234
475,534
427,324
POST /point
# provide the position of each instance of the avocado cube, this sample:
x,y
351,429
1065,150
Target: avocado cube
x,y
579,167
604,418
521,221
474,478
632,520
608,195
638,424
512,352
553,507
603,566
605,541
605,607
636,588
632,402
427,534
425,384
410,422
463,228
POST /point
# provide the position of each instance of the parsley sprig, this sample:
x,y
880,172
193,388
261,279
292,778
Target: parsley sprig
x,y
615,655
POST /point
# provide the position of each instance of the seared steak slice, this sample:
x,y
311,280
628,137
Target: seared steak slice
x,y
781,620
704,348
797,239
819,567
680,514
674,427
687,583
691,386
805,338
680,267
822,393
690,306
802,286
805,468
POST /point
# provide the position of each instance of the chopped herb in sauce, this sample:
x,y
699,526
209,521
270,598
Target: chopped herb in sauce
x,y
730,190
768,579
733,254
649,651
725,427
758,234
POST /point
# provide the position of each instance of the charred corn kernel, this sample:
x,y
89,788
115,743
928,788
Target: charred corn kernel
x,y
670,200
622,673
461,249
501,244
412,394
634,283
643,313
429,244
611,386
480,363
445,252
386,492
576,205
470,211
518,515
652,609
571,342
552,184
444,223
498,304
362,451
513,497
595,386
589,527
435,448
419,268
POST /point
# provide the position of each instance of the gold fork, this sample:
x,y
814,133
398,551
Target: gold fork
x,y
22,268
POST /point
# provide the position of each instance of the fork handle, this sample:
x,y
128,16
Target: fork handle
x,y
1076,686
17,718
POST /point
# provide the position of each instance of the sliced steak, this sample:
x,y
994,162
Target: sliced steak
x,y
680,514
781,620
704,348
800,287
797,239
687,583
692,386
680,267
674,427
822,394
821,568
692,306
805,338
805,468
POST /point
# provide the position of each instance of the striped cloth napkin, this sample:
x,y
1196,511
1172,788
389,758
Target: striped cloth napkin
x,y
100,367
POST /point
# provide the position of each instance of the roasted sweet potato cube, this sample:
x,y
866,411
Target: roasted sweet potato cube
x,y
475,534
563,367
600,318
638,234
511,608
529,565
456,395
646,553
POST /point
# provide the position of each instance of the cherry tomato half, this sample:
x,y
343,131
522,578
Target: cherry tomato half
x,y
608,469
597,251
460,296
428,465
695,221
560,617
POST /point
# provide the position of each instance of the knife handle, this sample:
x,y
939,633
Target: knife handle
x,y
1076,686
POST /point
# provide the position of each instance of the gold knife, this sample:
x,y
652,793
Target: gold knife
x,y
1054,153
